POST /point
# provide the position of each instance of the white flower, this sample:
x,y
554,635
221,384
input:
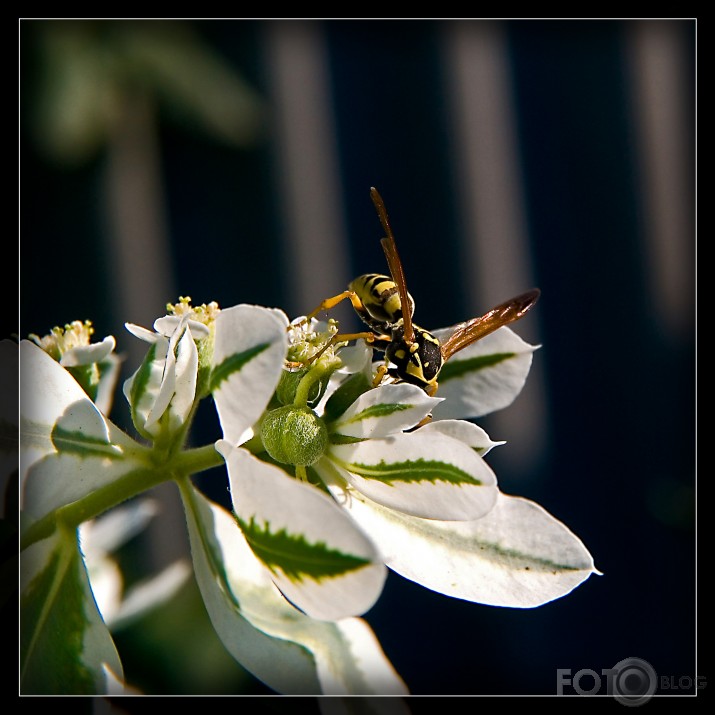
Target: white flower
x,y
165,383
94,365
71,346
364,447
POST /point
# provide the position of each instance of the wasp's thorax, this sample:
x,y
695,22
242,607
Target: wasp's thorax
x,y
418,363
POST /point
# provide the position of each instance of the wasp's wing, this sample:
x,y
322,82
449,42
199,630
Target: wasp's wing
x,y
475,329
395,264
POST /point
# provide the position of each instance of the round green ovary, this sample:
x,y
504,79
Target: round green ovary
x,y
294,435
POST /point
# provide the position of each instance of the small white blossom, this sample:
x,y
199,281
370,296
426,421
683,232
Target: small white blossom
x,y
95,366
165,384
71,345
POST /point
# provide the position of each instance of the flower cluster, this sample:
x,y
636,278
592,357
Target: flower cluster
x,y
362,479
335,476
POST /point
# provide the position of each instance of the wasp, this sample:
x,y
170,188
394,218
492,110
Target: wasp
x,y
383,303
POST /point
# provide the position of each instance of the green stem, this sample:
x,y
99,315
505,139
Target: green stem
x,y
139,480
198,459
302,392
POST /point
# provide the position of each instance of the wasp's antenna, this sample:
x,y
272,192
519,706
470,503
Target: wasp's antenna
x,y
395,265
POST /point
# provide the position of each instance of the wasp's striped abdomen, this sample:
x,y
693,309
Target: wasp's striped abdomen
x,y
380,298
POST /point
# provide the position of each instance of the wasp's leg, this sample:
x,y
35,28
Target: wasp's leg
x,y
381,371
330,303
342,337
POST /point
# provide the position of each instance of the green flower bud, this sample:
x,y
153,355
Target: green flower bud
x,y
294,435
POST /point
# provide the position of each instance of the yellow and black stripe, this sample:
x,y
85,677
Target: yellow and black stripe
x,y
380,298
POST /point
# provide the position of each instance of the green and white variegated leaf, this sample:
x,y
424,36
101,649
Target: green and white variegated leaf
x,y
316,555
383,411
290,652
484,377
249,350
467,432
68,449
65,648
431,475
517,556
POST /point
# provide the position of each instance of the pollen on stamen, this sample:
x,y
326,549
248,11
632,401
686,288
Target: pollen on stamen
x,y
60,340
205,313
309,341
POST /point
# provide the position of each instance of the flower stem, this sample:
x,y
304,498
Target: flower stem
x,y
302,393
198,459
135,482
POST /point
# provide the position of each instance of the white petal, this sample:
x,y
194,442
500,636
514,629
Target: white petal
x,y
431,476
181,349
148,336
355,357
88,354
164,391
168,325
249,352
475,389
319,559
518,555
385,410
186,369
143,402
469,433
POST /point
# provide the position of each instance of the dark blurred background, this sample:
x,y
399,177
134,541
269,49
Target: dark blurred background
x,y
232,161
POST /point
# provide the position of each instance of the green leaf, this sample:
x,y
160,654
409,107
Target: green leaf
x,y
295,556
64,644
